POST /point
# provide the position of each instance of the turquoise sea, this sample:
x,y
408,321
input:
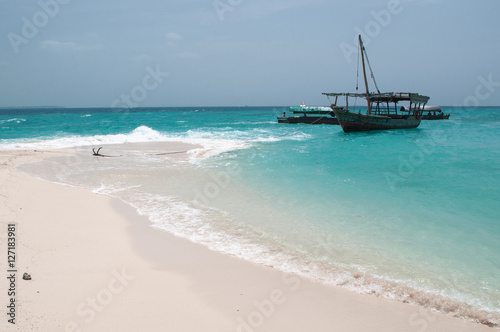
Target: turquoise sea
x,y
412,214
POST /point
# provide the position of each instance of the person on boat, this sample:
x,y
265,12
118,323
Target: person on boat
x,y
284,114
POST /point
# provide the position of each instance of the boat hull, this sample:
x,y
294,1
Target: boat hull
x,y
351,122
308,120
436,117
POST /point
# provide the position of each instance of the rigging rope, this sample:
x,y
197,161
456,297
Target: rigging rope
x,y
303,127
357,83
371,71
357,74
308,124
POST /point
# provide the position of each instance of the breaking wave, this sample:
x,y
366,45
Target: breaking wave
x,y
212,143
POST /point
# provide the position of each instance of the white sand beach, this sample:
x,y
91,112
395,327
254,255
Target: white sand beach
x,y
96,265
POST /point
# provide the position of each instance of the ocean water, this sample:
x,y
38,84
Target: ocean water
x,y
412,215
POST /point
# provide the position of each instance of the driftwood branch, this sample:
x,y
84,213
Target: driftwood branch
x,y
97,154
174,152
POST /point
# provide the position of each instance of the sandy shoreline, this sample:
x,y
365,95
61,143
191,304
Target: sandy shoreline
x,y
99,266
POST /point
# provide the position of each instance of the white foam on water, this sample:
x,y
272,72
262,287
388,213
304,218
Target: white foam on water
x,y
212,144
112,190
140,134
16,120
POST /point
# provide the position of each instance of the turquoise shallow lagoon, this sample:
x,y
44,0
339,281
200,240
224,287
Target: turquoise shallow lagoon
x,y
407,214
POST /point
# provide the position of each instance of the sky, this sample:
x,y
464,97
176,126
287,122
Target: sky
x,y
244,52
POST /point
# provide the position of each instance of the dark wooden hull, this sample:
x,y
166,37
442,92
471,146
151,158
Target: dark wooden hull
x,y
308,120
351,122
435,117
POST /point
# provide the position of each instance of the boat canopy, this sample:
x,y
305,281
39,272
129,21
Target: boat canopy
x,y
385,97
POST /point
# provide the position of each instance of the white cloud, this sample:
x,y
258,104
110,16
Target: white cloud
x,y
172,36
172,39
57,46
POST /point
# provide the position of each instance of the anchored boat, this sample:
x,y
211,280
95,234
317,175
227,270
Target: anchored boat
x,y
328,117
382,111
433,113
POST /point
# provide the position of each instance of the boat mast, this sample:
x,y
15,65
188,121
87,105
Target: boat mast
x,y
362,49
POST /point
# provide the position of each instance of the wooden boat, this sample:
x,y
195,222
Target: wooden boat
x,y
433,113
435,116
328,117
382,108
308,119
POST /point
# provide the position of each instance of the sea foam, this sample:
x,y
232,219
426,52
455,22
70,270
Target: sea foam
x,y
211,143
16,120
